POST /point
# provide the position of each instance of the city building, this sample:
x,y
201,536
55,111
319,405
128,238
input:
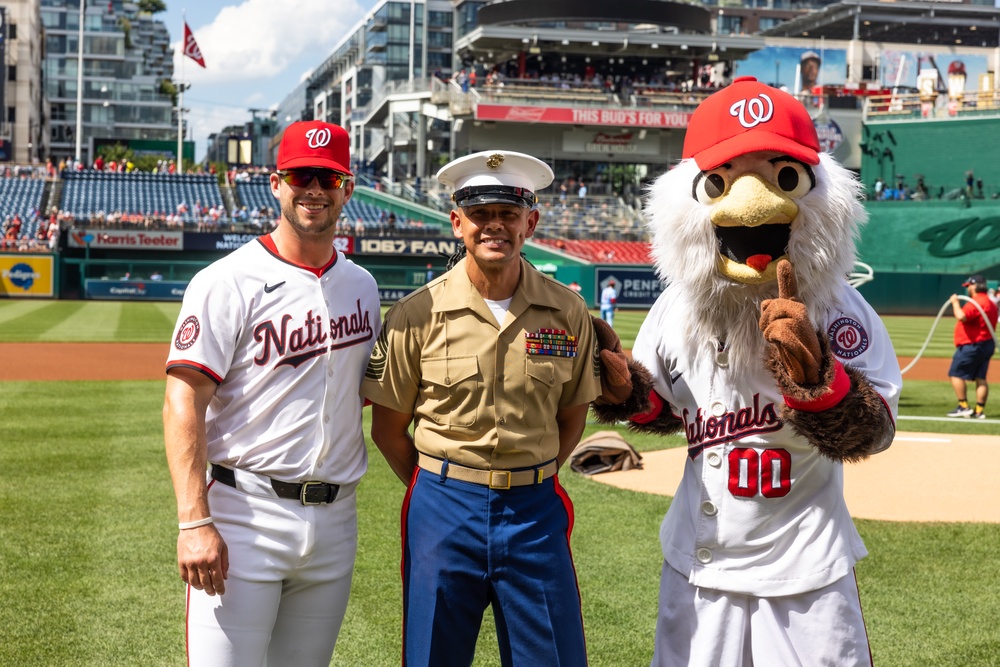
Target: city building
x,y
24,134
127,89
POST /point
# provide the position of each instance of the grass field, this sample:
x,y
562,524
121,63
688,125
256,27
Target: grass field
x,y
87,569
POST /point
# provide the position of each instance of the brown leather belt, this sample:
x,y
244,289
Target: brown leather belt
x,y
495,479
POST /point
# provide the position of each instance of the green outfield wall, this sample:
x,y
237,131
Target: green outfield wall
x,y
921,252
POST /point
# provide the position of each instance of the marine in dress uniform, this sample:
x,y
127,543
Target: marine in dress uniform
x,y
494,364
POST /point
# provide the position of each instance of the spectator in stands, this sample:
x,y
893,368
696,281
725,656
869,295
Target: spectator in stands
x,y
609,298
359,227
156,275
575,286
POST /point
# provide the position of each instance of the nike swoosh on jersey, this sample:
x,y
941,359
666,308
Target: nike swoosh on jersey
x,y
270,288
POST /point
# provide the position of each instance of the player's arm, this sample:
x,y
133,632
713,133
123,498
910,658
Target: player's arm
x,y
202,556
571,422
391,434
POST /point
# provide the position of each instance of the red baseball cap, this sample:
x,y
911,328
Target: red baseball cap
x,y
313,143
748,116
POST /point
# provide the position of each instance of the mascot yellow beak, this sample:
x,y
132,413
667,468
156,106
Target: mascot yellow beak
x,y
752,222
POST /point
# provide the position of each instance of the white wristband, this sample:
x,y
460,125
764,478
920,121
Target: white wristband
x,y
196,524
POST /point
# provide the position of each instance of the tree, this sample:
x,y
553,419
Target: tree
x,y
152,6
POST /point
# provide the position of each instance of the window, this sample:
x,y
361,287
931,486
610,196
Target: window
x,y
11,31
439,19
730,25
12,72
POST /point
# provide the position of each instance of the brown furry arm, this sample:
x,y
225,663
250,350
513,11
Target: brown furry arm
x,y
855,428
639,402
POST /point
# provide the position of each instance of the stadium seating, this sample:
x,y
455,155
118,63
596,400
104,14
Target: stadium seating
x,y
255,192
20,196
86,193
604,252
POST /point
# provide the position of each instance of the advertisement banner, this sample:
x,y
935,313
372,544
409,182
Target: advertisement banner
x,y
394,246
611,142
636,288
392,294
225,242
27,275
583,116
124,239
135,290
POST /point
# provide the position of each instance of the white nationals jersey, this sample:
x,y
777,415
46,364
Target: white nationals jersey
x,y
288,349
758,511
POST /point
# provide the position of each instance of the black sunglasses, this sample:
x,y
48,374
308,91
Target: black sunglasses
x,y
328,179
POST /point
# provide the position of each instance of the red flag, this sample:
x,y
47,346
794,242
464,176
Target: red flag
x,y
191,49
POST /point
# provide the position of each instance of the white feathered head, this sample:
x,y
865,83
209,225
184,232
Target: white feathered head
x,y
752,189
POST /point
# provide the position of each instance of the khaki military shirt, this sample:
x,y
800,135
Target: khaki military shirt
x,y
478,397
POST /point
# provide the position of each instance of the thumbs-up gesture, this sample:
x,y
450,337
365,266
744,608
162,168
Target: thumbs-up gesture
x,y
786,325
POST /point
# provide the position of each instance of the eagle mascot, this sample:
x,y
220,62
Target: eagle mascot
x,y
775,370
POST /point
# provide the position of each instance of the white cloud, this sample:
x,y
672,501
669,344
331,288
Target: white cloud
x,y
258,39
209,119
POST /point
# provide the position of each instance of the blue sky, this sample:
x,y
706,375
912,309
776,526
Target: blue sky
x,y
256,52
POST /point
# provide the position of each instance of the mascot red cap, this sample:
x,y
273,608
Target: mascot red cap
x,y
749,116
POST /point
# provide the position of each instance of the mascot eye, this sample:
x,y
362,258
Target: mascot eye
x,y
794,179
709,187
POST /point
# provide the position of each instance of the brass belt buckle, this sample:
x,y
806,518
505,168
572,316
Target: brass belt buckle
x,y
499,479
305,491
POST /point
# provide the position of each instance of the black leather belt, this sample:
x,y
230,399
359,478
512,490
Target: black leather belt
x,y
308,493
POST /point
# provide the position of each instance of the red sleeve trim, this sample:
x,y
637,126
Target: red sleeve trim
x,y
205,370
834,395
653,413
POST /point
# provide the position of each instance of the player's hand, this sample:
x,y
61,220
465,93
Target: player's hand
x,y
203,559
786,325
616,380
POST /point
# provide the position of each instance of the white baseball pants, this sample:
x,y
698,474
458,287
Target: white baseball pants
x,y
289,580
698,626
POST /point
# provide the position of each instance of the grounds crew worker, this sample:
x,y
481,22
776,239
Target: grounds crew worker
x,y
494,363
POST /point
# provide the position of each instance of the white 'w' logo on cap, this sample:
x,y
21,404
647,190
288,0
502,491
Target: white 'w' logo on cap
x,y
759,110
318,137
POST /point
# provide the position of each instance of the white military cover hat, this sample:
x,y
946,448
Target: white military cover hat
x,y
495,177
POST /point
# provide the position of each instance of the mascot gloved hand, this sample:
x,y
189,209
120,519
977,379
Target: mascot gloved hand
x,y
627,392
835,406
786,326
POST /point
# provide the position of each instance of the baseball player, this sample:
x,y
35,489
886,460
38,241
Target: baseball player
x,y
263,382
609,297
776,371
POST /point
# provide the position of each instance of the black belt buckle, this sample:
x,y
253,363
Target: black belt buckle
x,y
317,493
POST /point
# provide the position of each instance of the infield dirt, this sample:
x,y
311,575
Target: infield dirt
x,y
146,361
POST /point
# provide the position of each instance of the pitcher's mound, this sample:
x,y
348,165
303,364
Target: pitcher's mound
x,y
922,477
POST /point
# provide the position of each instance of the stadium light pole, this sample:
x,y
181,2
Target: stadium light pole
x,y
79,84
